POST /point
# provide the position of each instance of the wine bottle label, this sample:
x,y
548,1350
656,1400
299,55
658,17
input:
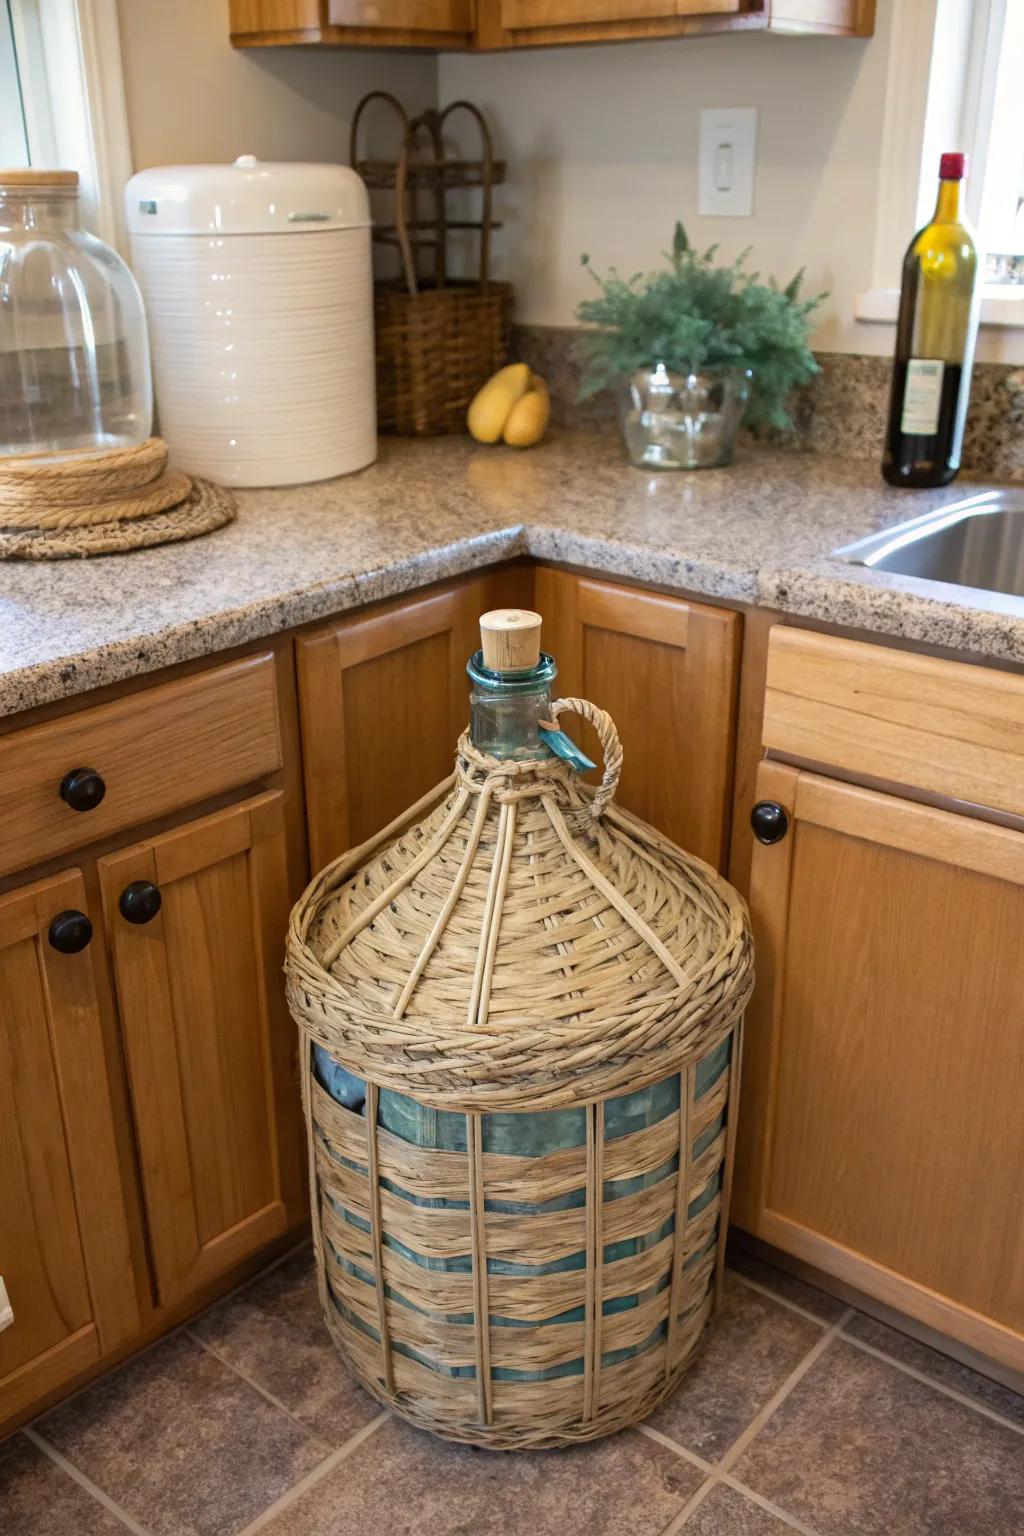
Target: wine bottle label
x,y
922,397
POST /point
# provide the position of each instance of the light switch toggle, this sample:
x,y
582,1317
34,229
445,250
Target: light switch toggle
x,y
728,142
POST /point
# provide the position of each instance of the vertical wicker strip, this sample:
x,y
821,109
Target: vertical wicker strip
x,y
595,1261
686,1094
735,1058
481,1301
524,948
373,1179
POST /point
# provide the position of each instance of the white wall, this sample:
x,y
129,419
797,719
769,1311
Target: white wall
x,y
192,97
601,142
602,151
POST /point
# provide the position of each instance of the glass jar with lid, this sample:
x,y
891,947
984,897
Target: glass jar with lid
x,y
74,355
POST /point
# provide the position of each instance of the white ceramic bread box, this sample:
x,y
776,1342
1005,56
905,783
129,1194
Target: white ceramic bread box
x,y
258,288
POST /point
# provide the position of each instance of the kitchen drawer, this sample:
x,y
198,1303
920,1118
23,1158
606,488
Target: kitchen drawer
x,y
157,750
943,726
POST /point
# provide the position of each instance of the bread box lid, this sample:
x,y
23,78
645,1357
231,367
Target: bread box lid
x,y
249,197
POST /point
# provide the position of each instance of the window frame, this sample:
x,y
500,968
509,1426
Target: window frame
x,y
69,51
925,113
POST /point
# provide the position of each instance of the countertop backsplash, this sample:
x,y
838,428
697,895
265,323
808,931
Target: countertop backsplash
x,y
842,412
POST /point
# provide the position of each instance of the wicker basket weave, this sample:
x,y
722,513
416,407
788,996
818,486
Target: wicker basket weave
x,y
516,943
438,338
435,348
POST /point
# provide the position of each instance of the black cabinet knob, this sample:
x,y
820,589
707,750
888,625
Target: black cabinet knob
x,y
769,821
82,789
140,902
70,932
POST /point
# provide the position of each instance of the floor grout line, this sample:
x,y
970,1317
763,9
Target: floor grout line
x,y
880,1354
784,1301
693,1503
794,1378
674,1445
107,1375
931,1381
727,1479
164,1338
314,1476
161,1338
86,1483
719,1472
250,1381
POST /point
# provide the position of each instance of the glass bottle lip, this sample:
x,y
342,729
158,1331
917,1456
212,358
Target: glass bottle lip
x,y
511,682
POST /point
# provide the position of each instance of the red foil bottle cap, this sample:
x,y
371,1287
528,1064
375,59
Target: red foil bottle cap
x,y
953,167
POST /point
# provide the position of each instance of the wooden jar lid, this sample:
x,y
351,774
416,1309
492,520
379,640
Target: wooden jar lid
x,y
27,176
510,638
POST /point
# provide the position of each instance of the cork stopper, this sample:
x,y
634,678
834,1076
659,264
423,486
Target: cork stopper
x,y
510,638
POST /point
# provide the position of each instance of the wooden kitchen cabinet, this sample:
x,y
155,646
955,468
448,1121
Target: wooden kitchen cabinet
x,y
384,698
495,24
64,1247
352,23
881,1137
539,23
666,670
197,918
513,23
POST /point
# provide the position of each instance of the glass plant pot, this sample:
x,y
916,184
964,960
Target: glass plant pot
x,y
682,421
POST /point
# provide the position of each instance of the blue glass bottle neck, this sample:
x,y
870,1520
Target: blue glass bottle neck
x,y
507,707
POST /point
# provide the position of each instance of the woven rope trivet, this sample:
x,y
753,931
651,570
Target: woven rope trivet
x,y
75,479
41,511
205,508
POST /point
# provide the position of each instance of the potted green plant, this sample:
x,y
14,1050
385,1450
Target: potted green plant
x,y
692,351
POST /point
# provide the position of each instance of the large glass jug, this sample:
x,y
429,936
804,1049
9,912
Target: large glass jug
x,y
74,356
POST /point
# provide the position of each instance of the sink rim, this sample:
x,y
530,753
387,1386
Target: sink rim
x,y
869,550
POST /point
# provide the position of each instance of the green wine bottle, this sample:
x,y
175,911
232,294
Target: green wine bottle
x,y
935,337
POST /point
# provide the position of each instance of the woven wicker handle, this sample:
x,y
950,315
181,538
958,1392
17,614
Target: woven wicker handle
x,y
611,746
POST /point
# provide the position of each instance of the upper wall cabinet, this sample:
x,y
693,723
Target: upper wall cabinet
x,y
352,23
490,24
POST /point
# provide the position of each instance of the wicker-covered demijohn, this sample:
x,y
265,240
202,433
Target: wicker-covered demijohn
x,y
520,1233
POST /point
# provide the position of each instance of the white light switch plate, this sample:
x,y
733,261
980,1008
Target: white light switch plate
x,y
728,145
6,1310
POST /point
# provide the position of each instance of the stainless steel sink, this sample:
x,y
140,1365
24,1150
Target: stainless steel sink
x,y
978,542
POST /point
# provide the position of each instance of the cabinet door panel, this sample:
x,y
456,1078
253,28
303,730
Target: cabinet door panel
x,y
882,1134
210,1046
561,13
64,1253
403,15
665,670
384,700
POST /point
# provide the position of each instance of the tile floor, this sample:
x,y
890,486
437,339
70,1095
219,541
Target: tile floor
x,y
803,1415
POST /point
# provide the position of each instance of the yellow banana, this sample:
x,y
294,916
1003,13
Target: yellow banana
x,y
492,405
528,419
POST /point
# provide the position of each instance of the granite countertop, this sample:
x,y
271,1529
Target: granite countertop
x,y
759,532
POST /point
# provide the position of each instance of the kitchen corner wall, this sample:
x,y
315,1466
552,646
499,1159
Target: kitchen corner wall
x,y
601,144
602,150
192,97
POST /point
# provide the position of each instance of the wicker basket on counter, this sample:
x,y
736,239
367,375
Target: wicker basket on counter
x,y
519,954
438,339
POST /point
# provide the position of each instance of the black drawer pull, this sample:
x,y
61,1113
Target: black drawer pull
x,y
70,932
140,902
82,789
769,821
